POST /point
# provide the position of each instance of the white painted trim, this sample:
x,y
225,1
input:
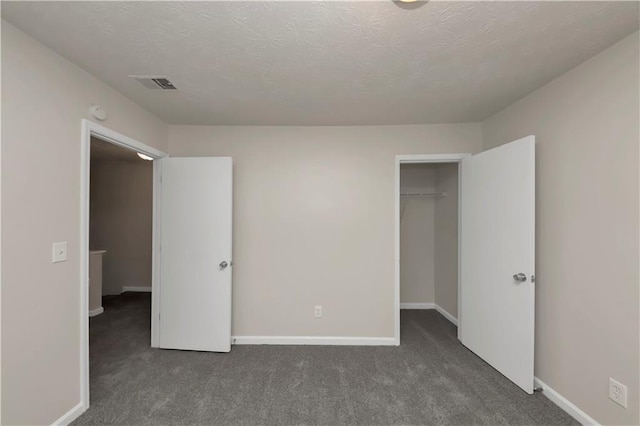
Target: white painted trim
x,y
121,140
137,289
459,319
408,159
396,278
155,257
1,422
431,158
85,160
96,312
70,415
310,340
88,129
562,402
417,305
446,314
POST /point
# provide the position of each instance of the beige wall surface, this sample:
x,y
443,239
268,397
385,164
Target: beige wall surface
x,y
95,280
587,133
121,221
417,235
314,220
446,238
44,98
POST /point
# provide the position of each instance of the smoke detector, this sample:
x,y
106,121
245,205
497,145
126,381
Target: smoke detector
x,y
99,112
154,82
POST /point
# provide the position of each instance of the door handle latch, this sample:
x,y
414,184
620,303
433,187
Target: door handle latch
x,y
520,277
223,265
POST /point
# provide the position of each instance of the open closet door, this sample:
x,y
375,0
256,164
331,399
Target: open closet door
x,y
195,254
497,291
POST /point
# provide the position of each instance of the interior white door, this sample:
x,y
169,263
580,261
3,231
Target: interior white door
x,y
497,258
195,254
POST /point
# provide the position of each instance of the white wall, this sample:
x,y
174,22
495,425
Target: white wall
x,y
587,321
314,220
446,238
417,235
44,98
121,221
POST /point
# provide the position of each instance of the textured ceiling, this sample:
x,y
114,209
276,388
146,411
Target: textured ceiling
x,y
326,63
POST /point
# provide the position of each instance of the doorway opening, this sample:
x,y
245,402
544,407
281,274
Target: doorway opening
x,y
119,240
120,224
120,253
427,237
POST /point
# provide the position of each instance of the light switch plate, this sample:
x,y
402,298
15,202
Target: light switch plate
x,y
59,252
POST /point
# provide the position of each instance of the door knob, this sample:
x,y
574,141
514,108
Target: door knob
x,y
223,264
520,277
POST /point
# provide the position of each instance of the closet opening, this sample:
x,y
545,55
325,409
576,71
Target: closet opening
x,y
427,243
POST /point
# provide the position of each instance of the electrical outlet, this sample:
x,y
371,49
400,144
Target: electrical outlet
x,y
318,312
617,392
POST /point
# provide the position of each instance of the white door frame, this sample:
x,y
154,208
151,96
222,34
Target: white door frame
x,y
420,159
90,128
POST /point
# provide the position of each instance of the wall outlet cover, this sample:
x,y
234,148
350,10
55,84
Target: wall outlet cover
x,y
617,392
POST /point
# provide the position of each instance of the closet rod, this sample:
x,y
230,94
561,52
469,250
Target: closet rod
x,y
424,195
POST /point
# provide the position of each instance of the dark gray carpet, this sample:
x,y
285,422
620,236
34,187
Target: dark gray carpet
x,y
430,379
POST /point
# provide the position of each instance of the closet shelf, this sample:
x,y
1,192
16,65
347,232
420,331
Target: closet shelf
x,y
424,195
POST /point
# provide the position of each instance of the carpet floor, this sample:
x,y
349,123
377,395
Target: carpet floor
x,y
429,379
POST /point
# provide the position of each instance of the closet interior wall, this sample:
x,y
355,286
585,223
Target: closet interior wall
x,y
446,238
417,235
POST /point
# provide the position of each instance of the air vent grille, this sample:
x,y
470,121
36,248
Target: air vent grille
x,y
164,83
154,82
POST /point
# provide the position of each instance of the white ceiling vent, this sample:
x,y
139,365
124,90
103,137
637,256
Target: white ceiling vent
x,y
154,82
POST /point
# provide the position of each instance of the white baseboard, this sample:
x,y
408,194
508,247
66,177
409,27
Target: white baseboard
x,y
310,340
136,289
565,404
70,415
97,311
447,315
417,306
